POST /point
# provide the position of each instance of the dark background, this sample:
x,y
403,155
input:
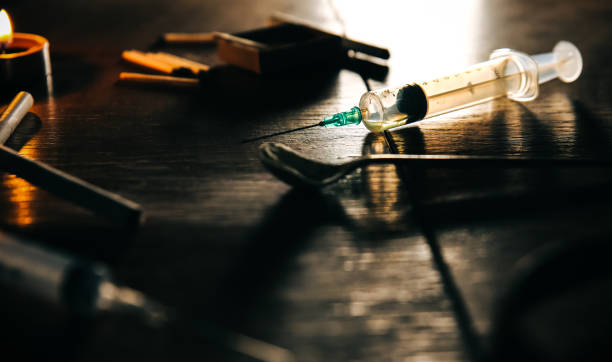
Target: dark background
x,y
388,264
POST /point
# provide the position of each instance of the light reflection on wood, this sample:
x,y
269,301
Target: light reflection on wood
x,y
465,131
22,194
383,189
555,113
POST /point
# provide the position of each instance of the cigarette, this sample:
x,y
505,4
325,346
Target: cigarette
x,y
189,38
142,59
14,113
71,188
158,79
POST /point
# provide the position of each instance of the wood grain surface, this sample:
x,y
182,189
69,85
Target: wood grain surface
x,y
389,264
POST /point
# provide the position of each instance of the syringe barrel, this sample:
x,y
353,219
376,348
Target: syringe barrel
x,y
507,73
49,275
32,269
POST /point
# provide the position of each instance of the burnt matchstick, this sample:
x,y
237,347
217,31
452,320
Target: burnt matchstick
x,y
68,187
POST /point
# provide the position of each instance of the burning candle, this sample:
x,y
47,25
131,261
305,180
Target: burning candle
x,y
6,31
24,60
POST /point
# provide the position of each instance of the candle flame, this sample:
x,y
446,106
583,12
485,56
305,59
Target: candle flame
x,y
6,30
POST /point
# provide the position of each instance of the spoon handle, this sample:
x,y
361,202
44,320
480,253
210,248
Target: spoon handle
x,y
459,161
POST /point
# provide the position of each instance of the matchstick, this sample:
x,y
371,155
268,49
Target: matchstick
x,y
71,188
158,79
14,113
142,59
188,38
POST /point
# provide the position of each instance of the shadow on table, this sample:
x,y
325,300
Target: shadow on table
x,y
71,73
557,308
558,305
270,255
456,196
33,329
233,87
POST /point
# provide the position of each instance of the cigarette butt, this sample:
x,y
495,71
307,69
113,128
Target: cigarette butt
x,y
158,79
192,38
142,59
70,188
179,62
14,113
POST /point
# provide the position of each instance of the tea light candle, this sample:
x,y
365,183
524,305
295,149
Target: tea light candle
x,y
24,59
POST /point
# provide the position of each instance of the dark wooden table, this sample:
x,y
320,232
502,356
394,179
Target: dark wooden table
x,y
388,264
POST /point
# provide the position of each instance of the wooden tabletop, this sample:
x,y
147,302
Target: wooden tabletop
x,y
389,263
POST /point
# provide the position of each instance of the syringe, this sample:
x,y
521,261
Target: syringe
x,y
87,289
507,73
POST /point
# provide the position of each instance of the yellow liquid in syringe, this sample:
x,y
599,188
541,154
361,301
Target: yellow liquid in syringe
x,y
475,85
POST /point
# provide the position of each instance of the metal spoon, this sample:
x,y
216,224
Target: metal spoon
x,y
300,171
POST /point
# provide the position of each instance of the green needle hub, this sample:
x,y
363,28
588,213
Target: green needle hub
x,y
343,118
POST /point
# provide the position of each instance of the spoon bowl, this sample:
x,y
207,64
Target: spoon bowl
x,y
297,170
